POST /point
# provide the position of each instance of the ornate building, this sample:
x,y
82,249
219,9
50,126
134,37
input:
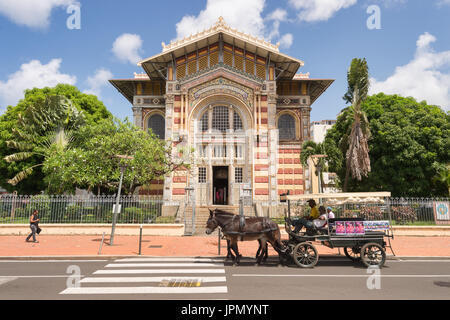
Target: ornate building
x,y
239,103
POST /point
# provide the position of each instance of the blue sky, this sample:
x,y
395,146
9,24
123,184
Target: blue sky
x,y
409,55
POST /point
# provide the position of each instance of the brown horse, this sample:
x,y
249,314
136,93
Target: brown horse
x,y
255,228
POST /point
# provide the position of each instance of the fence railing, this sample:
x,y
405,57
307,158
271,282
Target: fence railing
x,y
401,211
16,209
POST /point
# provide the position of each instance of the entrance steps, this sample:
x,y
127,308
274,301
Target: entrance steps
x,y
201,217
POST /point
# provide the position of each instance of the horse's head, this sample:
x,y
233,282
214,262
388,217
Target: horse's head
x,y
212,222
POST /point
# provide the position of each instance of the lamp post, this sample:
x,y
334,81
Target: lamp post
x,y
116,210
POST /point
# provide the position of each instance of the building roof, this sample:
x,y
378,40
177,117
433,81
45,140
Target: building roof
x,y
218,31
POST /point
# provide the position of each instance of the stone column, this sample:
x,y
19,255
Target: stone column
x,y
137,117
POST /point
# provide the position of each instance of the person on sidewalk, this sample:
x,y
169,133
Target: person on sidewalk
x,y
34,225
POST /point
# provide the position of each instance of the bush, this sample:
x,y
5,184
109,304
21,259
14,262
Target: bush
x,y
403,215
165,220
371,213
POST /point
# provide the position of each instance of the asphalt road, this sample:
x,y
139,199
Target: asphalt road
x,y
212,278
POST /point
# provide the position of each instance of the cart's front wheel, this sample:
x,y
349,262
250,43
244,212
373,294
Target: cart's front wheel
x,y
372,254
353,253
305,255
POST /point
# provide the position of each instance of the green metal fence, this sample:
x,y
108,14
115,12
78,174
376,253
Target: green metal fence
x,y
401,211
15,209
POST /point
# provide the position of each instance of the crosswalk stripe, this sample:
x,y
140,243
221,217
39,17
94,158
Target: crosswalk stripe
x,y
153,264
169,271
145,290
149,279
170,259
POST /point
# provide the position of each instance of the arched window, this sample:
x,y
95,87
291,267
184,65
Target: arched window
x,y
204,122
158,125
237,122
286,127
220,120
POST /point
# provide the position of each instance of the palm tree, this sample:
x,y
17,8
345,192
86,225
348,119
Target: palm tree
x,y
46,127
357,156
309,150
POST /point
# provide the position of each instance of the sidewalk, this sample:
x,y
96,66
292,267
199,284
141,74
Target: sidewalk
x,y
185,246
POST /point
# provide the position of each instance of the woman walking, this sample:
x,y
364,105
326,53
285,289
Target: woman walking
x,y
34,222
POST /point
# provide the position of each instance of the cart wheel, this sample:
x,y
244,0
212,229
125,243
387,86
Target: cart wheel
x,y
372,254
305,255
353,253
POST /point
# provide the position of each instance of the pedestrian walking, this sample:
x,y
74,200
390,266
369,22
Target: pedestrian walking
x,y
34,226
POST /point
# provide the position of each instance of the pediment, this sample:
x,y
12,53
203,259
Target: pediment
x,y
221,84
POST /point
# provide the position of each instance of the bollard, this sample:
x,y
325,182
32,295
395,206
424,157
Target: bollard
x,y
101,244
140,239
218,243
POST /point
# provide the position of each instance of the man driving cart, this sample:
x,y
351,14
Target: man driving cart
x,y
314,220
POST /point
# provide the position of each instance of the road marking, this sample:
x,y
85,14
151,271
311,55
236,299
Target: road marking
x,y
4,280
170,259
145,290
150,279
134,265
419,260
49,261
171,271
39,276
346,275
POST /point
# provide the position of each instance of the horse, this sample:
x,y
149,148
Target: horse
x,y
261,251
256,228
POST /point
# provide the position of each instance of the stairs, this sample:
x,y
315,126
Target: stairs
x,y
201,217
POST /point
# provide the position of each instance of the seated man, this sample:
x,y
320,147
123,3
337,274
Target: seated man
x,y
308,220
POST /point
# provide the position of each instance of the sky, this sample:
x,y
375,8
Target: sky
x,y
85,43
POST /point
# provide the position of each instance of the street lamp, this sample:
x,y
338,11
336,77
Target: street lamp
x,y
116,209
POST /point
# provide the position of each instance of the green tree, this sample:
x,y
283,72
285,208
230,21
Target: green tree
x,y
93,110
407,139
357,155
311,148
92,164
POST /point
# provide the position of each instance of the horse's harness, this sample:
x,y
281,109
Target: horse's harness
x,y
242,224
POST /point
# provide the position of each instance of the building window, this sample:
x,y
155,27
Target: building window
x,y
204,122
220,120
237,122
220,151
238,175
286,127
203,150
157,124
238,151
201,175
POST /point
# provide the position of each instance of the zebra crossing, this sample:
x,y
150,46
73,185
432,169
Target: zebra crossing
x,y
165,275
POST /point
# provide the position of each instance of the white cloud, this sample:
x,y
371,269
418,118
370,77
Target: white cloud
x,y
319,10
127,48
98,81
443,2
426,77
286,40
243,15
31,13
32,75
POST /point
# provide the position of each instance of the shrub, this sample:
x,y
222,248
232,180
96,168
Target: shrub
x,y
404,214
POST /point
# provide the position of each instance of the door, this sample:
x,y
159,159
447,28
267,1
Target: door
x,y
220,186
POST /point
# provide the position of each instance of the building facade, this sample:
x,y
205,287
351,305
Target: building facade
x,y
238,103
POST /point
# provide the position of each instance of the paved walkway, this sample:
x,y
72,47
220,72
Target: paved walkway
x,y
184,246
